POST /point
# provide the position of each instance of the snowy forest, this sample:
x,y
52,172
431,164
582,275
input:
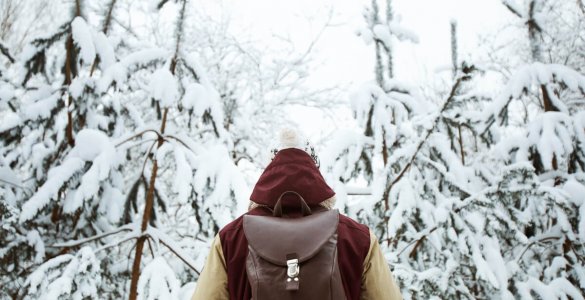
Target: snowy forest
x,y
132,131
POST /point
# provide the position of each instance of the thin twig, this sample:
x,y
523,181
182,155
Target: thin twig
x,y
428,134
128,227
138,135
181,257
17,185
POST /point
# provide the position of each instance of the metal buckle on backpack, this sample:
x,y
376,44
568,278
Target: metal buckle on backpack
x,y
293,268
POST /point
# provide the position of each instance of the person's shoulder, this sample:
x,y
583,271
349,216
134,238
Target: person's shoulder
x,y
353,225
232,226
353,238
235,227
351,230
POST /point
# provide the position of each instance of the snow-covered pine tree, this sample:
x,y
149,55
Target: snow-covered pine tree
x,y
425,182
105,165
512,230
35,141
379,109
531,216
505,221
89,200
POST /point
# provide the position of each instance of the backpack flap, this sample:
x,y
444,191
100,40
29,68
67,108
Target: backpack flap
x,y
288,242
274,238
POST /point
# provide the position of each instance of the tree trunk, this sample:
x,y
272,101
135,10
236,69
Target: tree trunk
x,y
148,207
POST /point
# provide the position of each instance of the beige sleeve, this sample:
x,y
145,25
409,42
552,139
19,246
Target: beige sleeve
x,y
377,280
212,283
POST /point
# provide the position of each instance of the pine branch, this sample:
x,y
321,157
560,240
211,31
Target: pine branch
x,y
131,198
139,134
17,185
429,131
461,145
454,58
148,208
108,19
128,227
442,171
179,34
423,236
169,243
466,76
512,9
107,22
377,45
161,4
49,41
6,53
389,17
581,5
535,241
70,72
130,236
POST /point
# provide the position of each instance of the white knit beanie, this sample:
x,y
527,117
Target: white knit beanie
x,y
292,138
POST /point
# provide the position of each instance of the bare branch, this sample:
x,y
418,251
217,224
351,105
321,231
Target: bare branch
x,y
128,227
139,135
108,19
182,257
429,131
512,9
6,53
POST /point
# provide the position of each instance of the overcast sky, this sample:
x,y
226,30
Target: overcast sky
x,y
347,60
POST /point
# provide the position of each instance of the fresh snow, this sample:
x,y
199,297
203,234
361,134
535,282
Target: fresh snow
x,y
82,37
56,178
471,188
164,87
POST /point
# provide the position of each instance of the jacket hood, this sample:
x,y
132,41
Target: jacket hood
x,y
291,169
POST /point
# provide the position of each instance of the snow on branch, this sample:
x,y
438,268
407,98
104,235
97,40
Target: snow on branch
x,y
558,288
202,99
184,176
451,97
6,53
158,281
166,240
530,78
403,33
219,179
164,87
552,136
384,33
92,146
91,43
82,37
344,151
120,71
57,176
40,102
134,234
95,146
127,227
70,276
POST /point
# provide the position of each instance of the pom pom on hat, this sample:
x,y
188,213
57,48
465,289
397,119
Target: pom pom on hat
x,y
290,138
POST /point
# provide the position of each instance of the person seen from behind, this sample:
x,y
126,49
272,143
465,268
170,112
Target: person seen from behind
x,y
292,244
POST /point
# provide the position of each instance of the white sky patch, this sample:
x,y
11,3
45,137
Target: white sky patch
x,y
346,60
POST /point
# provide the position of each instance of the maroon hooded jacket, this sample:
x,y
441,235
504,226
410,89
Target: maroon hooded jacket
x,y
293,169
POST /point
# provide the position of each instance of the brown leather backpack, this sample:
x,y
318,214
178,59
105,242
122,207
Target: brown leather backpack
x,y
293,258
